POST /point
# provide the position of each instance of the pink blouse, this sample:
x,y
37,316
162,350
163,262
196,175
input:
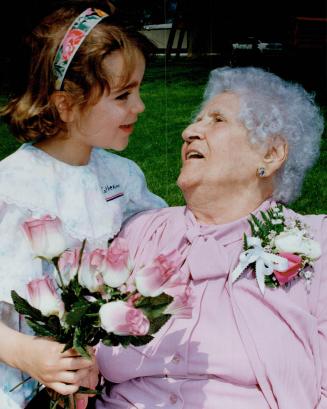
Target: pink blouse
x,y
240,349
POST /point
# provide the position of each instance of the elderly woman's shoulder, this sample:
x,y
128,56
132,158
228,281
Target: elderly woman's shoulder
x,y
152,219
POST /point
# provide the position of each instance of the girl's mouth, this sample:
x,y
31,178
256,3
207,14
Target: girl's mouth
x,y
127,128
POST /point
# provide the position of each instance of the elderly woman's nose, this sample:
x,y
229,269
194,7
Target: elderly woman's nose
x,y
191,132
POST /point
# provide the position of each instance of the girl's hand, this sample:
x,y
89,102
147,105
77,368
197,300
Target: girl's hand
x,y
43,360
90,382
79,400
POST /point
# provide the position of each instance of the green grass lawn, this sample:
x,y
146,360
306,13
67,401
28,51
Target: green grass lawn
x,y
172,94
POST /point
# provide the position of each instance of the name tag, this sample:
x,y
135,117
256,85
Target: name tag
x,y
111,192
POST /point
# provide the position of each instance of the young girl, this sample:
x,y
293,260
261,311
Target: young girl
x,y
82,97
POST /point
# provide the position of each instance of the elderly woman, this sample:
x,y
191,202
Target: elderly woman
x,y
253,271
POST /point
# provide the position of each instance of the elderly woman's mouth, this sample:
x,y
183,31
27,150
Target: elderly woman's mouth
x,y
193,155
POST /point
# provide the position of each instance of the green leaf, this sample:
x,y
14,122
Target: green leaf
x,y
40,329
269,282
83,389
107,342
141,340
154,307
112,339
267,221
253,232
54,324
23,307
162,299
78,344
78,310
245,242
158,322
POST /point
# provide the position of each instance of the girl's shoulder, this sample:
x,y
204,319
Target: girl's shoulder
x,y
105,157
128,181
36,182
19,155
118,165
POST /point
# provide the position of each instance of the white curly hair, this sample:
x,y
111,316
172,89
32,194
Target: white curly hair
x,y
269,107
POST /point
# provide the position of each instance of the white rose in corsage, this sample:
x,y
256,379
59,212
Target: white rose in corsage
x,y
278,251
294,241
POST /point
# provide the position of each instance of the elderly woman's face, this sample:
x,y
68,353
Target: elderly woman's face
x,y
216,150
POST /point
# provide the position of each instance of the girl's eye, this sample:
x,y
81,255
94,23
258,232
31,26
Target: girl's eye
x,y
123,96
218,118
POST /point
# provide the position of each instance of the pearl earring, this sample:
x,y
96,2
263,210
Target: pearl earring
x,y
261,172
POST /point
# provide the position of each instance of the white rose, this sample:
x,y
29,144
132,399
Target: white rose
x,y
311,248
289,241
292,241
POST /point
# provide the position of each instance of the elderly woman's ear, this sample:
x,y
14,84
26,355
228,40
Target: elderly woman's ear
x,y
274,157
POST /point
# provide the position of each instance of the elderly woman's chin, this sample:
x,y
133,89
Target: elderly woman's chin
x,y
188,178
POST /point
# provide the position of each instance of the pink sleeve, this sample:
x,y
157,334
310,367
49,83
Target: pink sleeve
x,y
322,316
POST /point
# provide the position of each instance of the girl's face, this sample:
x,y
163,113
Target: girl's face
x,y
109,123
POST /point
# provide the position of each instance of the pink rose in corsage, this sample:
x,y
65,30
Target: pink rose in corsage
x,y
294,266
45,236
74,37
43,296
278,251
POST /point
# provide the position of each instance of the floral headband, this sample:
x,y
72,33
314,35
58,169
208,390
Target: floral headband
x,y
72,40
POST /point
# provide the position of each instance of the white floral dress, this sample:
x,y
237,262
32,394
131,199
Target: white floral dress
x,y
92,201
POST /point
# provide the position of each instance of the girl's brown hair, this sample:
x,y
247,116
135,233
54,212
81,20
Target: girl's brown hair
x,y
33,115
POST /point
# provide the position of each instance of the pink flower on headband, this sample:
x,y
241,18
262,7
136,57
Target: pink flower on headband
x,y
89,11
73,38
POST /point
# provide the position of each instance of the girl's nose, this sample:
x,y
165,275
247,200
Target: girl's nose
x,y
138,106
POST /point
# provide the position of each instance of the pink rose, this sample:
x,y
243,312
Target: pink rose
x,y
133,298
153,280
122,319
68,264
294,266
89,275
74,37
181,306
43,296
115,267
46,236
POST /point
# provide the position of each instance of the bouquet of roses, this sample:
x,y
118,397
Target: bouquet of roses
x,y
95,295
